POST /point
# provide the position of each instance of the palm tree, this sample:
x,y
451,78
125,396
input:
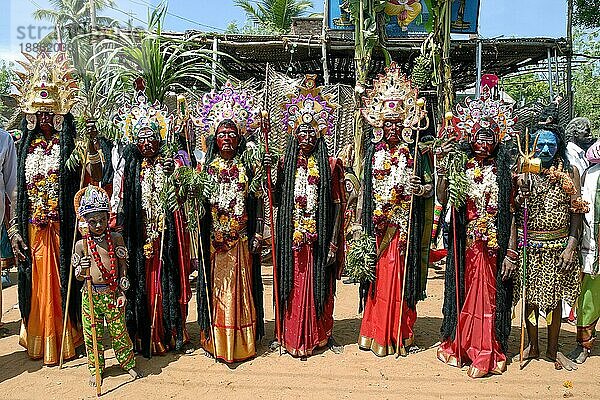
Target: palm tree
x,y
166,64
274,16
71,18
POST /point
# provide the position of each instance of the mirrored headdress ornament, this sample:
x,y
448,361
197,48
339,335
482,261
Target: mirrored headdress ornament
x,y
142,119
229,103
309,106
484,113
393,98
47,85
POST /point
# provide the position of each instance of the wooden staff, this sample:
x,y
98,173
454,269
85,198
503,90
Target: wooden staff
x,y
400,350
526,157
184,121
157,280
70,282
88,280
457,286
265,116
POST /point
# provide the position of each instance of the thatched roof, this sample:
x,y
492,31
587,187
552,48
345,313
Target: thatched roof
x,y
301,54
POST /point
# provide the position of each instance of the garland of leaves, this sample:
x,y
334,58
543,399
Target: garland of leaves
x,y
361,258
458,183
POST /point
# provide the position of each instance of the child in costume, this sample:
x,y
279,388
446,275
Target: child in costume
x,y
106,266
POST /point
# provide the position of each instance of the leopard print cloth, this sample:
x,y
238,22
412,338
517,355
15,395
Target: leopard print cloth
x,y
548,210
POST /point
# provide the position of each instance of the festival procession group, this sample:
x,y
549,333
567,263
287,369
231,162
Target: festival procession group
x,y
111,242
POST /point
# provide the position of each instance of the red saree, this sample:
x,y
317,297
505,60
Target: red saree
x,y
476,322
379,328
303,332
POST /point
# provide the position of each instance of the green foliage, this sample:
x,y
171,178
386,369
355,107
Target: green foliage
x,y
586,78
361,259
192,185
458,184
528,88
7,76
586,13
274,16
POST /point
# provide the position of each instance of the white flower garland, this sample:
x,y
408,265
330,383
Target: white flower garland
x,y
40,166
306,196
483,191
228,198
391,191
153,179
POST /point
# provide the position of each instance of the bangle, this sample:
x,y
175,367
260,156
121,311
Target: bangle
x,y
510,260
12,231
94,158
421,191
512,253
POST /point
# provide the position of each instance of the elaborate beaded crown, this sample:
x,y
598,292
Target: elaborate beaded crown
x,y
46,85
393,98
309,106
230,103
484,112
142,118
91,199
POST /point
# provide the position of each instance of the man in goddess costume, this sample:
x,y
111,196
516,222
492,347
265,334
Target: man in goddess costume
x,y
159,293
395,112
555,213
42,223
231,319
309,230
105,263
588,305
483,227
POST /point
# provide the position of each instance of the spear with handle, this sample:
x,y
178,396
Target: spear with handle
x,y
400,349
265,117
526,166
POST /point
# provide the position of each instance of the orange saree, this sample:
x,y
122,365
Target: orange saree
x,y
42,334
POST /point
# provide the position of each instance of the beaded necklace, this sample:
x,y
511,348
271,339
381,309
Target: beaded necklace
x,y
109,276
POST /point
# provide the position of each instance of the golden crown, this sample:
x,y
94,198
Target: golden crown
x,y
393,98
46,85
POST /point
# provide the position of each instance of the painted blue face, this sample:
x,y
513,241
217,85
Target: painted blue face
x,y
546,146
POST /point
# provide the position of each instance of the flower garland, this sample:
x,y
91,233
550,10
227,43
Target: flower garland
x,y
392,170
483,192
228,201
41,177
110,277
306,192
152,182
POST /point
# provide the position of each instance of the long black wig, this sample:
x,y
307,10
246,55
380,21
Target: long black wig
x,y
204,286
138,317
323,276
69,185
504,289
421,227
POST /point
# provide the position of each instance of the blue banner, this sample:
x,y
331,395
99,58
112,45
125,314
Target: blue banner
x,y
406,17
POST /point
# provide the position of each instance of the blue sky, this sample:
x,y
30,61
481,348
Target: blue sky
x,y
524,18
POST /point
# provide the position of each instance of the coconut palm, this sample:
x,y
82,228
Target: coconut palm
x,y
71,18
274,16
165,63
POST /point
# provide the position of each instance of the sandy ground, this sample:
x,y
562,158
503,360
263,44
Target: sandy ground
x,y
354,374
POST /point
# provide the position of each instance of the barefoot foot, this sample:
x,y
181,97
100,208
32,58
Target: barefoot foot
x,y
579,354
92,381
529,353
135,373
334,346
563,362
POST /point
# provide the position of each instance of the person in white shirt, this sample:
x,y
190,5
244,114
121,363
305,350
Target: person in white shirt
x,y
588,305
8,181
